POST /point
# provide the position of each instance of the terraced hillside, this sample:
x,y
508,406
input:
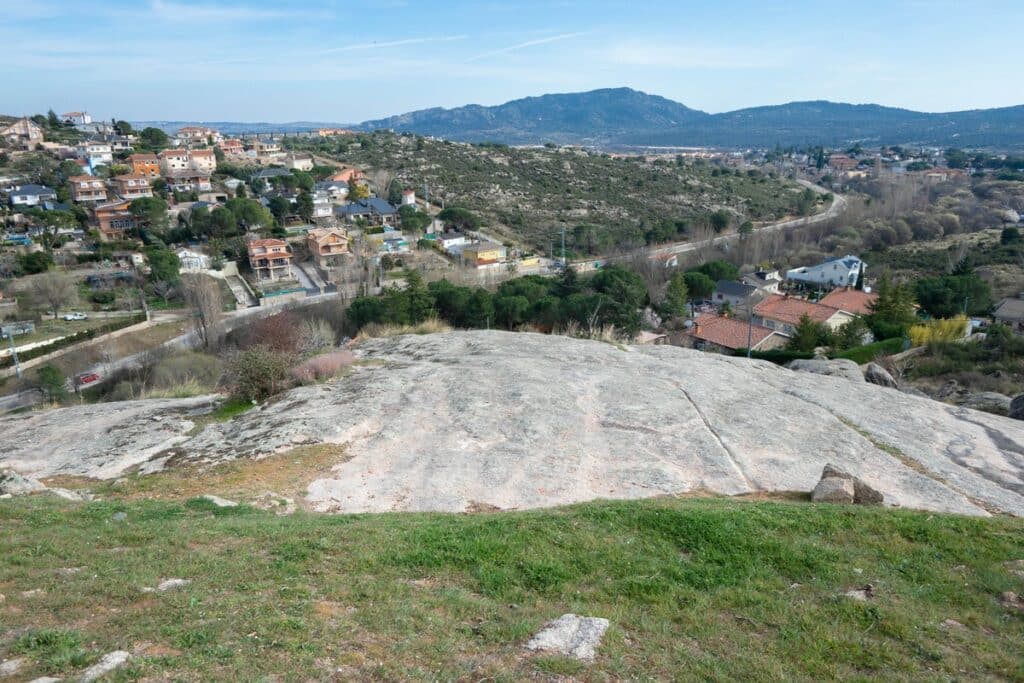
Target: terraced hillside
x,y
605,203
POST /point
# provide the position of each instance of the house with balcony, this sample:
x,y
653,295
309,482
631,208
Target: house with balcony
x,y
837,272
202,160
114,220
132,186
327,246
145,164
232,148
173,160
87,188
270,259
95,152
188,181
197,135
76,118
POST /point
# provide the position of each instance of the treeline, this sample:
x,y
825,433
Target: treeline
x,y
610,298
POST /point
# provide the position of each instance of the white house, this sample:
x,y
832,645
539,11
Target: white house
x,y
78,118
448,240
96,152
767,281
837,272
193,261
31,195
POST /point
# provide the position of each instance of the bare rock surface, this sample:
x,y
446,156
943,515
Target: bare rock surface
x,y
571,635
837,367
483,420
109,662
100,440
833,490
876,374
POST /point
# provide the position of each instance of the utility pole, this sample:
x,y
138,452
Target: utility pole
x,y
14,353
750,327
565,264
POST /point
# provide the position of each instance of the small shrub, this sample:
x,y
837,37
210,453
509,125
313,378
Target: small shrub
x,y
322,367
259,373
428,326
943,330
315,335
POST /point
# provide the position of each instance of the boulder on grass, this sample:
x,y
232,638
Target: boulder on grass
x,y
860,492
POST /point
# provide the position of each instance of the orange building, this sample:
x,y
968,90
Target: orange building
x,y
87,188
114,219
145,164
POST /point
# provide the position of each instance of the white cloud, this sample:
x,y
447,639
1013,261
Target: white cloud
x,y
695,56
392,43
180,11
529,43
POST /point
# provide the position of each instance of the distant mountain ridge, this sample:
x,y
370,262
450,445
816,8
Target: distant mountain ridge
x,y
623,116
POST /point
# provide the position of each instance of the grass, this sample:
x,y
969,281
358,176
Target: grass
x,y
696,589
869,352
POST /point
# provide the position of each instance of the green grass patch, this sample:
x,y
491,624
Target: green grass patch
x,y
231,408
869,352
695,589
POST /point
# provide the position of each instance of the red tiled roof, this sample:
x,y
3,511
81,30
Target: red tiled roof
x,y
729,333
849,300
142,157
268,242
789,310
202,152
174,152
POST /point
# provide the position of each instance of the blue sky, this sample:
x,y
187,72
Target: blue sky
x,y
348,61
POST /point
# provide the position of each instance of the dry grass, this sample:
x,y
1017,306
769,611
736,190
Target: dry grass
x,y
322,367
377,330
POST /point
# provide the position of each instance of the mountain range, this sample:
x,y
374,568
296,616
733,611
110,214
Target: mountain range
x,y
623,117
627,117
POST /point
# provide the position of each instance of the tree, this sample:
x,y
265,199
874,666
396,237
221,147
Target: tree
x,y
460,219
746,229
511,311
893,311
152,212
202,293
36,262
413,220
951,295
676,295
1010,236
357,191
809,335
421,303
163,289
52,382
153,138
280,207
719,220
123,128
304,206
52,120
956,158
699,285
53,290
163,263
718,270
860,279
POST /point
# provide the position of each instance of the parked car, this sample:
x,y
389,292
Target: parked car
x,y
75,316
86,378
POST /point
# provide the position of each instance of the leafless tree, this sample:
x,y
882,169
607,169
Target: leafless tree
x,y
203,297
53,290
163,289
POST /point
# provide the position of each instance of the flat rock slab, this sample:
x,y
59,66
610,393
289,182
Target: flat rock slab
x,y
12,666
100,440
571,635
220,502
499,420
110,661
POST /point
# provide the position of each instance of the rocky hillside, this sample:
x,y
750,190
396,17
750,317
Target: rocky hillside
x,y
485,420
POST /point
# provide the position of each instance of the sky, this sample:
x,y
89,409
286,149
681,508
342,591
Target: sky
x,y
344,61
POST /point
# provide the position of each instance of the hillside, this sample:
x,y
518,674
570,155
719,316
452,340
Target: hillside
x,y
484,420
623,116
529,194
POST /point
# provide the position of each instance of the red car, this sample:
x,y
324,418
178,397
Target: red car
x,y
86,378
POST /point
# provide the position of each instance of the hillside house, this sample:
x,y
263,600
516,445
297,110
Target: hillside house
x,y
87,188
300,162
1010,312
270,259
23,134
737,295
722,334
132,186
347,174
114,220
196,135
837,272
76,118
782,313
327,246
145,165
95,152
849,300
483,254
232,148
189,181
173,160
31,195
337,190
373,210
767,281
192,261
449,240
202,160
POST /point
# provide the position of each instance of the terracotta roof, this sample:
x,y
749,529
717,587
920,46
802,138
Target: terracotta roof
x,y
174,152
131,176
849,300
729,333
142,157
268,242
789,310
202,152
83,178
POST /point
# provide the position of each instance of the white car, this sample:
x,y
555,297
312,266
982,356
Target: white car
x,y
75,316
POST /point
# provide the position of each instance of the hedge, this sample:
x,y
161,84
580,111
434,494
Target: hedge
x,y
71,340
869,352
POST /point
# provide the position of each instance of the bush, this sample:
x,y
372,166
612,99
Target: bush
x,y
943,330
322,367
315,335
869,352
259,372
194,370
